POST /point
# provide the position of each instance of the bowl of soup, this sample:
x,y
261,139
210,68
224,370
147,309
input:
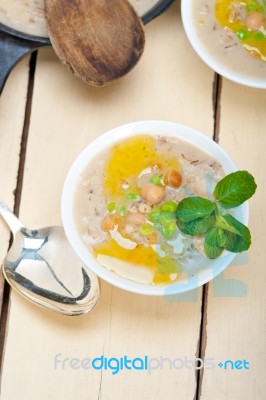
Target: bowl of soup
x,y
230,37
119,201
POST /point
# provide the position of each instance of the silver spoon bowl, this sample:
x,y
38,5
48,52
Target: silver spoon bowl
x,y
41,266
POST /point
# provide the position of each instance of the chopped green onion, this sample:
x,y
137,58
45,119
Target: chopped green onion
x,y
253,5
122,210
169,206
132,196
145,229
154,216
243,34
157,225
259,36
168,228
111,206
156,179
164,221
166,216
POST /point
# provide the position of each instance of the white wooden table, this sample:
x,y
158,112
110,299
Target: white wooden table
x,y
46,119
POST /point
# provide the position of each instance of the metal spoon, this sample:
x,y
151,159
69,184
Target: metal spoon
x,y
98,40
42,266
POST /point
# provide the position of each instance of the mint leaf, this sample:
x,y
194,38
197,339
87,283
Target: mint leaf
x,y
230,241
211,237
199,216
197,227
217,238
235,188
192,208
223,223
237,243
212,252
212,247
221,238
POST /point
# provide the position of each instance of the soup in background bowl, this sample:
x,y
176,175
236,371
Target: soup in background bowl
x,y
28,16
230,37
119,201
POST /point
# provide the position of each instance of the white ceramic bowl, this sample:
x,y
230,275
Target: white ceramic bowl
x,y
106,140
226,67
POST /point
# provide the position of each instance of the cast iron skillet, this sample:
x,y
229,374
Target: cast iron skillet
x,y
14,45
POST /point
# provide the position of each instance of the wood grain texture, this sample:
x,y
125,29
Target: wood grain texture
x,y
236,311
66,116
98,40
12,110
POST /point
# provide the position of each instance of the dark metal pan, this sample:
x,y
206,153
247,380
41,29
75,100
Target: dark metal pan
x,y
14,45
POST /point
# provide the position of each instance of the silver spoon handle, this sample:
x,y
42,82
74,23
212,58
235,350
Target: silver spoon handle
x,y
10,219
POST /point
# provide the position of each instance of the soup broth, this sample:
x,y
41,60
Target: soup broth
x,y
25,16
28,15
226,30
125,207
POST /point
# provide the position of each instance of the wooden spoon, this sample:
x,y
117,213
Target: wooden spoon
x,y
98,40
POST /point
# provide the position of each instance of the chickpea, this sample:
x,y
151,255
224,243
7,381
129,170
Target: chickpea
x,y
254,20
110,221
173,178
153,194
135,219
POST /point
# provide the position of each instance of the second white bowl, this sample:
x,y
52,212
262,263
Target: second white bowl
x,y
232,62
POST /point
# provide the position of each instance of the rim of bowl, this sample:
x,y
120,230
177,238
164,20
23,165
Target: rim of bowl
x,y
206,56
106,140
153,12
160,7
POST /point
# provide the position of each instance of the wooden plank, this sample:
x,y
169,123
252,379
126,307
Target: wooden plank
x,y
12,111
67,115
236,326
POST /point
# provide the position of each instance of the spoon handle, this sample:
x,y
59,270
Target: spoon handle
x,y
10,219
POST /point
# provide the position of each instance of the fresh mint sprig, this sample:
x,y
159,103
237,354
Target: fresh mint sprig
x,y
199,216
234,189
